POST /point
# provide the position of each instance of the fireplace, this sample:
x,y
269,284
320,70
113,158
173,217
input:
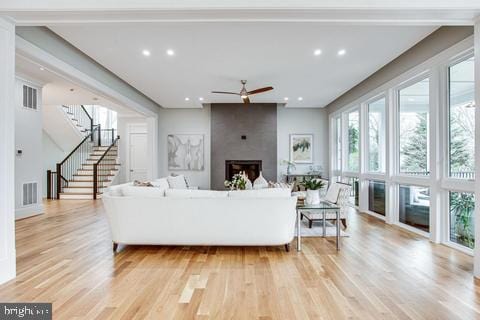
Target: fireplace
x,y
251,167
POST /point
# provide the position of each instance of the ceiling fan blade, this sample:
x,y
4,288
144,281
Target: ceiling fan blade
x,y
260,90
246,100
226,92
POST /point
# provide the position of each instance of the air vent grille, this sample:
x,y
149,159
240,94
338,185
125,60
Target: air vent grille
x,y
29,97
29,193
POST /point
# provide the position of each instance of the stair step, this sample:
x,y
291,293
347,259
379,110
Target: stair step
x,y
80,175
87,183
105,160
78,196
111,167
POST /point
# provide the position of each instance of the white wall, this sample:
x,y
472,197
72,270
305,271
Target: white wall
x,y
299,121
289,120
51,155
194,121
28,138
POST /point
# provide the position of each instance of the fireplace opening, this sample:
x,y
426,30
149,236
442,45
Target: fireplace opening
x,y
251,167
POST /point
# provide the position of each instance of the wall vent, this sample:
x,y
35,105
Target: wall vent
x,y
29,193
29,97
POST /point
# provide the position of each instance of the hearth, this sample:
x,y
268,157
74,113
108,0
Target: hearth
x,y
251,167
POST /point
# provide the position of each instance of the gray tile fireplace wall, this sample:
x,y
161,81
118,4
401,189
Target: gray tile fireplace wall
x,y
257,122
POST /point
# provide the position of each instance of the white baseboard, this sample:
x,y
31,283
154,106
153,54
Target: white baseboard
x,y
30,211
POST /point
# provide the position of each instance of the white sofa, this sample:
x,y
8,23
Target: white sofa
x,y
156,216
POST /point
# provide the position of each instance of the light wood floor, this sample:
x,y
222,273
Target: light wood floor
x,y
381,272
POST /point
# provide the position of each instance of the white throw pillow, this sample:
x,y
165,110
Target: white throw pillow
x,y
261,193
145,192
177,182
177,193
161,183
332,193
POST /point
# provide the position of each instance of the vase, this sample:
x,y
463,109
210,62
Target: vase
x,y
313,197
260,182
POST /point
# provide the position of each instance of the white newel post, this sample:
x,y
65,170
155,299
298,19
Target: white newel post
x,y
477,149
7,148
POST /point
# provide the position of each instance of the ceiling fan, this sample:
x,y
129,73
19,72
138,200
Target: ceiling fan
x,y
244,94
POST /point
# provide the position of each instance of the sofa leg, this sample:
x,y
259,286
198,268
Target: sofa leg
x,y
344,222
115,247
310,223
287,247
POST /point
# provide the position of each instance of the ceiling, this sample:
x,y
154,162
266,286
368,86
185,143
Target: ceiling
x,y
58,91
217,55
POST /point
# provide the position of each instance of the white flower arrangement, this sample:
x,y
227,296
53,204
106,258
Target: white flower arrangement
x,y
238,182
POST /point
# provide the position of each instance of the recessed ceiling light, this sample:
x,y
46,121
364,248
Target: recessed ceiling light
x,y
411,99
95,98
187,99
146,53
300,99
317,52
201,99
341,52
71,89
170,52
285,99
41,68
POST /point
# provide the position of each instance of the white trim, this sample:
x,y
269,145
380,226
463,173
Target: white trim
x,y
7,153
412,229
458,247
374,214
29,211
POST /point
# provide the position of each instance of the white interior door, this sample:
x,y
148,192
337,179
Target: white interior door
x,y
138,156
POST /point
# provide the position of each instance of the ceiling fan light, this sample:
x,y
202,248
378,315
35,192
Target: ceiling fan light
x,y
244,96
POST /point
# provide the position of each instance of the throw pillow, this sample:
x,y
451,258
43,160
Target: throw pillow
x,y
137,183
177,182
161,183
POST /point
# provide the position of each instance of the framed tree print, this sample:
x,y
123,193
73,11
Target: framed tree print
x,y
301,148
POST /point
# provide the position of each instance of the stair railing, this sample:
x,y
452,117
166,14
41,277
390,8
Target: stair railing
x,y
80,117
75,161
102,169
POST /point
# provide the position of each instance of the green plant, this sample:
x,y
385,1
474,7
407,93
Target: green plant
x,y
462,207
312,184
238,182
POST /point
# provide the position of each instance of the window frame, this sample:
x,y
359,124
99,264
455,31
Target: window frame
x,y
367,103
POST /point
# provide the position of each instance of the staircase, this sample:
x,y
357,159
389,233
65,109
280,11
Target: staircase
x,y
91,166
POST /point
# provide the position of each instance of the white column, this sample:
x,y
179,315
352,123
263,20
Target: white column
x,y
477,149
7,148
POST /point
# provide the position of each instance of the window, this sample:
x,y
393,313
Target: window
x,y
338,141
462,120
376,197
353,141
414,128
354,191
414,207
462,208
376,136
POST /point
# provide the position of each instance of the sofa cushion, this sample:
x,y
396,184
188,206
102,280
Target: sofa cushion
x,y
177,182
145,192
117,190
178,193
161,183
261,193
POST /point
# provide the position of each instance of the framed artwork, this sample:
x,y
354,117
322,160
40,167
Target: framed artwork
x,y
301,148
186,152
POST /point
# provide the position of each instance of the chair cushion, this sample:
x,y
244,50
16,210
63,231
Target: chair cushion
x,y
177,182
146,192
332,193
